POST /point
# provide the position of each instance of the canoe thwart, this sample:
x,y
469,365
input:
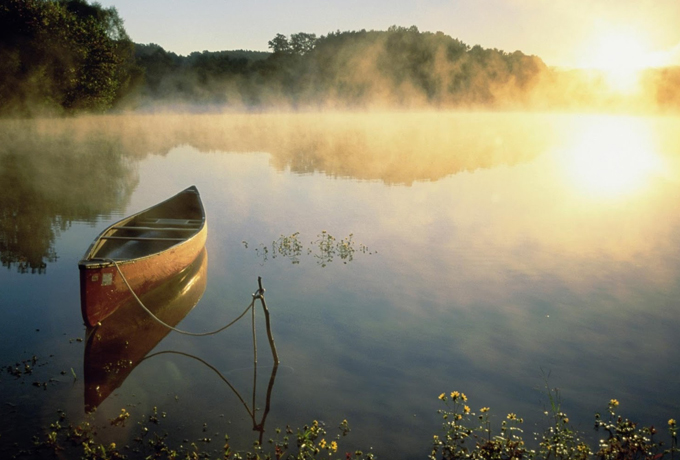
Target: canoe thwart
x,y
162,229
141,238
172,222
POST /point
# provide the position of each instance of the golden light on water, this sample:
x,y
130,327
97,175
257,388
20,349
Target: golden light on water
x,y
612,156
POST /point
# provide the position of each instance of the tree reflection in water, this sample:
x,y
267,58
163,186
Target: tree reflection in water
x,y
50,179
58,171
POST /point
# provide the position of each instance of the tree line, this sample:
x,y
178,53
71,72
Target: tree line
x,y
65,56
398,67
70,56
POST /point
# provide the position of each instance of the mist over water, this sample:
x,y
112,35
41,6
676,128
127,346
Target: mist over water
x,y
398,69
501,245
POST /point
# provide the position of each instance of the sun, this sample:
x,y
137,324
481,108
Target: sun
x,y
621,55
619,51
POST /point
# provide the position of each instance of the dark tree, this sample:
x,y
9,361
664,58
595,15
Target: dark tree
x,y
280,44
62,55
302,43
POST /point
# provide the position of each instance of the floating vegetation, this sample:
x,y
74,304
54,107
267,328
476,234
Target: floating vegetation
x,y
468,434
28,367
22,368
79,440
324,249
120,419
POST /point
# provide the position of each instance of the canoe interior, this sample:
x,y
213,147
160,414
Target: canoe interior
x,y
152,231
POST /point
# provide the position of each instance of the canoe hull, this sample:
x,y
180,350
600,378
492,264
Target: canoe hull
x,y
103,289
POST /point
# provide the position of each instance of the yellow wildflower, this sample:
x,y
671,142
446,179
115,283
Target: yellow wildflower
x,y
484,409
614,403
322,443
455,395
334,446
671,423
466,409
463,397
442,396
512,416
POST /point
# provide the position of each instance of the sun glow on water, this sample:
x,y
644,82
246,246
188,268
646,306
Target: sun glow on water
x,y
612,157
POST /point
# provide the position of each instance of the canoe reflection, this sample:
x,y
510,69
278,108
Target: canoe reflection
x,y
114,348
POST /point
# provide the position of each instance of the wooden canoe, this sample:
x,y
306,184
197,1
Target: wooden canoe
x,y
119,344
147,248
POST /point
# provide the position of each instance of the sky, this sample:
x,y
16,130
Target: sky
x,y
564,33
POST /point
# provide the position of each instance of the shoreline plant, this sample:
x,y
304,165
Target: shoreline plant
x,y
468,435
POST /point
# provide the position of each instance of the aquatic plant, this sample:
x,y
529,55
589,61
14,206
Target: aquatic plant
x,y
466,435
470,436
311,442
325,248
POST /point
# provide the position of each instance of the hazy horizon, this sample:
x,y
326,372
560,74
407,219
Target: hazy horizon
x,y
563,34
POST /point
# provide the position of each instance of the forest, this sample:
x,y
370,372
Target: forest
x,y
63,56
69,56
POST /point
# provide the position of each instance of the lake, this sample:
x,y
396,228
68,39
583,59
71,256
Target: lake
x,y
403,254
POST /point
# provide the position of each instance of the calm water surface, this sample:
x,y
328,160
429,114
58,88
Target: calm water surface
x,y
482,252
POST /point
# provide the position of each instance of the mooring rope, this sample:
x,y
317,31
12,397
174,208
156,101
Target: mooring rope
x,y
259,294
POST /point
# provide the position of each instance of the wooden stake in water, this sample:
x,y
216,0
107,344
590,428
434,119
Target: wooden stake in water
x,y
260,295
